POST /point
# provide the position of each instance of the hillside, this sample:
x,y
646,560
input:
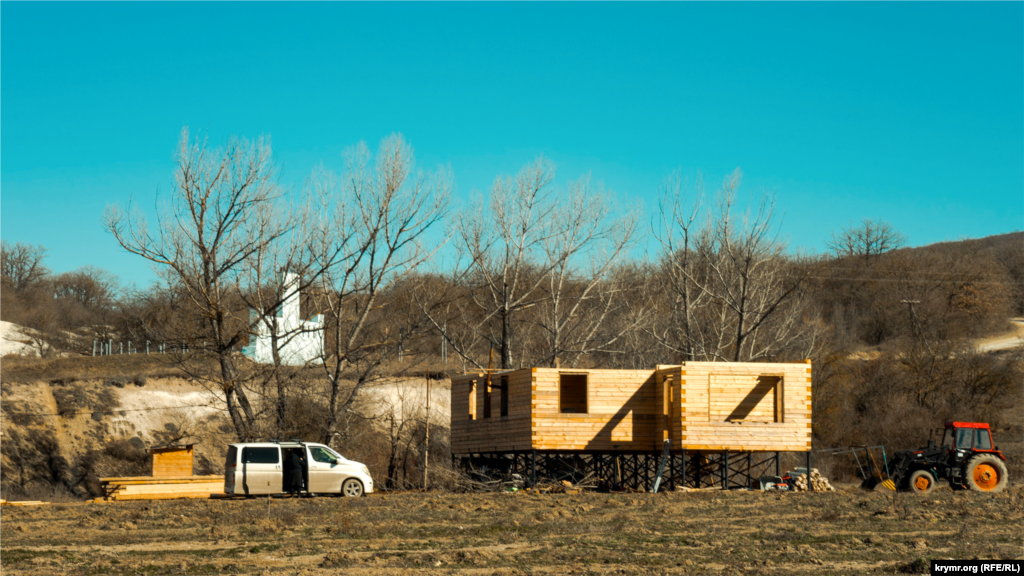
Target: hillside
x,y
69,421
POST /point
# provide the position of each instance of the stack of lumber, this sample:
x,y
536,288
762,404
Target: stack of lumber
x,y
22,503
818,482
161,488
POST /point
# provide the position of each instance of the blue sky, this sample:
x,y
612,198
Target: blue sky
x,y
909,112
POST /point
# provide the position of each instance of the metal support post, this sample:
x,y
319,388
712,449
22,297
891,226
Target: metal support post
x,y
810,485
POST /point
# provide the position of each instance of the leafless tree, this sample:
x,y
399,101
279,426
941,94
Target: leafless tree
x,y
526,248
588,239
278,272
504,247
219,215
21,265
740,293
868,240
681,233
374,235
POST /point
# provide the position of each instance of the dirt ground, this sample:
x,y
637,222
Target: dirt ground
x,y
705,532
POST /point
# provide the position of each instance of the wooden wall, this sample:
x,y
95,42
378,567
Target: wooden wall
x,y
699,405
623,412
742,406
172,461
497,433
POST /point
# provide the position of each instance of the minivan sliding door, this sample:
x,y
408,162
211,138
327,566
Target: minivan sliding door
x,y
261,468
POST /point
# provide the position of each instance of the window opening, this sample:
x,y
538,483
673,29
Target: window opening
x,y
503,384
487,398
572,393
777,391
760,402
472,399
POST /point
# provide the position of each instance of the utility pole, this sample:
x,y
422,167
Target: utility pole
x,y
426,451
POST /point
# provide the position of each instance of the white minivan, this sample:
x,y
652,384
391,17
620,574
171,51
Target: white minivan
x,y
262,468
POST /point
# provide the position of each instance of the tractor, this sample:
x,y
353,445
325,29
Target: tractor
x,y
966,458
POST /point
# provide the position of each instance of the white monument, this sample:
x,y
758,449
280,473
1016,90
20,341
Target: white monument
x,y
299,342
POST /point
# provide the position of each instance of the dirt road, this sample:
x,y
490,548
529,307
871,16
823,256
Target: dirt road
x,y
1014,339
707,532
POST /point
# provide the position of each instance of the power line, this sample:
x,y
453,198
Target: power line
x,y
908,280
110,412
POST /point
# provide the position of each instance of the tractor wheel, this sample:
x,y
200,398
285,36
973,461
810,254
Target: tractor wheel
x,y
921,482
985,473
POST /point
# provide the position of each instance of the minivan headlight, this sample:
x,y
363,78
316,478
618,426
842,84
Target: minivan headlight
x,y
365,469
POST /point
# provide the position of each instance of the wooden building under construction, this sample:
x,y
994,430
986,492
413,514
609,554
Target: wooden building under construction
x,y
648,421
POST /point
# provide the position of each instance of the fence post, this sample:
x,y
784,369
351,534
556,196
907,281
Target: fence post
x,y
147,347
93,346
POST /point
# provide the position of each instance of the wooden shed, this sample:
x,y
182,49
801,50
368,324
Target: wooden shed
x,y
171,461
709,406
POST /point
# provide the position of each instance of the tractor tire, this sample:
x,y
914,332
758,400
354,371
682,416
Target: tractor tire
x,y
986,473
921,482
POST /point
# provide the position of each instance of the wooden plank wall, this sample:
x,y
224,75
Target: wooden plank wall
x,y
624,412
497,433
172,462
699,405
735,406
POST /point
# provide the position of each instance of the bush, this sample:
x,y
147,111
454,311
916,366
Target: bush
x,y
79,398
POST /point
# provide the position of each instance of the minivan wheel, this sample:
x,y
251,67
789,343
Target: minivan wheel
x,y
352,488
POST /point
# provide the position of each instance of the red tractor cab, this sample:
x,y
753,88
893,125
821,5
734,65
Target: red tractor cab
x,y
967,458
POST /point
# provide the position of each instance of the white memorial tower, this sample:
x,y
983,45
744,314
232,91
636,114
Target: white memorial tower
x,y
299,342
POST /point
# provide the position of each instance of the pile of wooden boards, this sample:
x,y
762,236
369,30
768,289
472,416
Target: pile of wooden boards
x,y
22,503
819,482
160,488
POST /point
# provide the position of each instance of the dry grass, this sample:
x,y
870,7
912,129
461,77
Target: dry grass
x,y
847,532
121,368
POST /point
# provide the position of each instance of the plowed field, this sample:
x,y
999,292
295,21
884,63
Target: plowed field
x,y
706,532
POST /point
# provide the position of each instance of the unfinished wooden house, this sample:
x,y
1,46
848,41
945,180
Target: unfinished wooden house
x,y
638,419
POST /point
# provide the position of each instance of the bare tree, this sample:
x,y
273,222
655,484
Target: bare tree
x,y
373,236
21,265
527,249
504,247
679,239
220,214
741,294
868,240
277,274
587,240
